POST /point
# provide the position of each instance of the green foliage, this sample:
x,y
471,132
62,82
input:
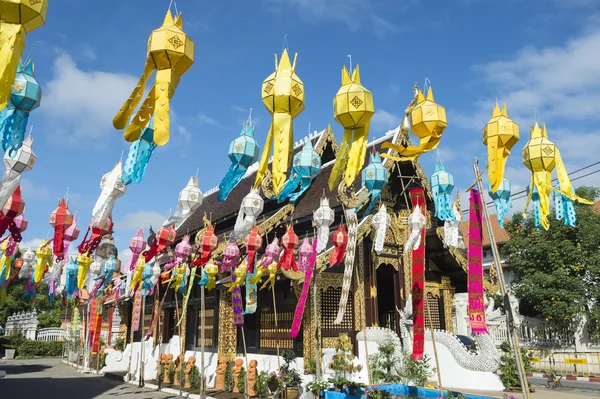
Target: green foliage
x,y
13,302
171,372
29,349
120,344
241,381
383,363
508,365
376,393
289,376
557,270
262,383
274,382
180,374
49,318
339,382
317,386
11,342
343,360
417,371
228,377
194,378
354,386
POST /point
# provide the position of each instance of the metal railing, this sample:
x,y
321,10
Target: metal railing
x,y
51,334
581,364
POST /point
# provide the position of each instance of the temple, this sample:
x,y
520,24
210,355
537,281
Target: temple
x,y
380,284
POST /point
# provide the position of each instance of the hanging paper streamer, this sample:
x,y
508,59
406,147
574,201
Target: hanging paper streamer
x,y
475,258
502,200
243,152
340,242
271,254
139,155
535,198
416,222
452,236
306,166
8,248
61,218
250,209
71,234
230,256
381,222
270,282
442,184
253,243
165,237
541,156
374,178
22,162
240,276
84,262
110,268
208,243
44,257
297,322
323,218
417,197
500,135
564,208
25,97
251,298
283,95
428,123
137,310
112,188
71,279
17,18
138,275
352,108
52,278
204,280
238,307
171,53
147,283
289,242
211,271
348,264
89,245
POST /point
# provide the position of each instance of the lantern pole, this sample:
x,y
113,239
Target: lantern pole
x,y
513,335
142,343
202,321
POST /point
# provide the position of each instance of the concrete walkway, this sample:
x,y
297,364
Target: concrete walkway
x,y
50,379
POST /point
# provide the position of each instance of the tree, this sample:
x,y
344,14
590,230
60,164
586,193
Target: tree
x,y
13,304
557,272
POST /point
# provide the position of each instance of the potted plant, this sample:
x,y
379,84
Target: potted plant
x,y
289,376
274,383
317,387
262,384
338,383
171,373
376,393
241,381
353,387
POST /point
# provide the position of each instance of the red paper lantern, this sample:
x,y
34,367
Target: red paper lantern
x,y
253,242
340,242
61,218
290,242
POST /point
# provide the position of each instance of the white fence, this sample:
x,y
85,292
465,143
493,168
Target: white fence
x,y
51,334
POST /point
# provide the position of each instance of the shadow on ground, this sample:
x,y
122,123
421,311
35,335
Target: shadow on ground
x,y
23,369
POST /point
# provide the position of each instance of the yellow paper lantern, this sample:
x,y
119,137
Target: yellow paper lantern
x,y
500,135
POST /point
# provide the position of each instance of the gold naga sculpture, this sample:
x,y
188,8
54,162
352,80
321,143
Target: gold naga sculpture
x,y
500,135
352,108
171,53
283,95
541,156
428,121
17,18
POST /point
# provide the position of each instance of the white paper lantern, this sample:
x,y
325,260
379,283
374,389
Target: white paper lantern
x,y
190,198
250,209
323,217
23,160
380,222
416,222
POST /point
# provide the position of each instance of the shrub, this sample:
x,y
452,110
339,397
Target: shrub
x,y
228,377
40,349
120,344
194,377
508,365
417,371
262,382
241,381
384,363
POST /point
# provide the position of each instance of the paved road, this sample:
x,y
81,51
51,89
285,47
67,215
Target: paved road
x,y
50,379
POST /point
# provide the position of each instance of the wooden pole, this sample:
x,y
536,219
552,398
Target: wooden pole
x,y
86,338
130,341
364,317
142,343
179,334
513,334
437,362
316,320
202,320
246,395
276,327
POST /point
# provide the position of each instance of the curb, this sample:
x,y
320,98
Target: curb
x,y
567,377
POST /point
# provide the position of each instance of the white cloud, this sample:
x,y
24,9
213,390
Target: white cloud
x,y
239,109
384,121
185,133
31,190
140,219
80,104
32,243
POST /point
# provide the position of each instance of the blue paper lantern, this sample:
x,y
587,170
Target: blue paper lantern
x,y
535,198
26,95
71,280
243,152
374,178
147,282
139,155
442,184
502,200
110,267
306,166
564,208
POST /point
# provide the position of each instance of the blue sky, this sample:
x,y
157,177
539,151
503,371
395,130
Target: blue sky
x,y
89,55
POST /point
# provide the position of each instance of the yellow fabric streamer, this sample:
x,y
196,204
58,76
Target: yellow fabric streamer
x,y
211,271
283,95
272,269
352,108
177,275
17,18
541,156
171,53
428,123
500,135
84,262
44,256
240,277
259,273
136,279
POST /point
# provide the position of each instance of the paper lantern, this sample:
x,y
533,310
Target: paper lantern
x,y
374,178
502,200
190,198
112,188
250,208
24,158
139,155
352,108
171,53
442,184
307,165
323,218
500,135
60,219
208,243
289,242
416,223
340,242
283,95
253,242
243,152
380,222
304,253
183,249
271,254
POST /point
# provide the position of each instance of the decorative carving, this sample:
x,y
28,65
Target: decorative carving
x,y
350,199
329,342
237,369
492,285
387,197
220,372
327,137
267,185
227,332
252,374
359,290
309,327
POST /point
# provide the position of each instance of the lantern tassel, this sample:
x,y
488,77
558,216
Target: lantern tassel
x,y
443,207
137,161
231,179
564,209
12,43
289,187
502,207
13,132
